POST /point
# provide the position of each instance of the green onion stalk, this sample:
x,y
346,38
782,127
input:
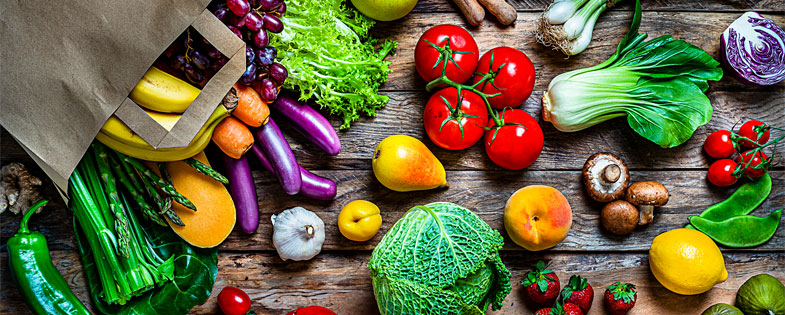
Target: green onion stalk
x,y
127,264
567,25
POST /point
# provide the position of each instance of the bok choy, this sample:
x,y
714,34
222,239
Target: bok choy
x,y
659,85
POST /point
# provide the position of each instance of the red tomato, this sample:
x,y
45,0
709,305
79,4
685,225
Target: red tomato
x,y
721,173
234,301
429,61
311,310
750,130
512,75
516,146
464,125
751,161
719,144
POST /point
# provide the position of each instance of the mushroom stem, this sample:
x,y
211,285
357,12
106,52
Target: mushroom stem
x,y
309,231
611,173
647,214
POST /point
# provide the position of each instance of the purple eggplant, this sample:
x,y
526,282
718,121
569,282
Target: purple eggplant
x,y
243,192
281,157
309,122
314,186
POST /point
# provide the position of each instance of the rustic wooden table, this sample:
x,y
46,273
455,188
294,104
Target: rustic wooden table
x,y
339,277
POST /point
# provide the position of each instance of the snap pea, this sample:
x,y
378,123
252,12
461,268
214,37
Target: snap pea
x,y
745,199
739,231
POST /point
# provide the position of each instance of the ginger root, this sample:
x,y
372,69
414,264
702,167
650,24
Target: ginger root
x,y
18,188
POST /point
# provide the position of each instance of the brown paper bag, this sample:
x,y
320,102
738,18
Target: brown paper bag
x,y
65,67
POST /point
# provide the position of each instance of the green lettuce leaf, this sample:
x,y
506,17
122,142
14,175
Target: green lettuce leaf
x,y
195,271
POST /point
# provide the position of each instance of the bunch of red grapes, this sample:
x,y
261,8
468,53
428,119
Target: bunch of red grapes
x,y
251,20
196,57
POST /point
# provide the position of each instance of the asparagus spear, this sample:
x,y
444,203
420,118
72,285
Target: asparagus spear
x,y
121,227
157,180
164,203
206,170
125,174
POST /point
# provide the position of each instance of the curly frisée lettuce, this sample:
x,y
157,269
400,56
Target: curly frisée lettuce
x,y
331,58
659,85
439,258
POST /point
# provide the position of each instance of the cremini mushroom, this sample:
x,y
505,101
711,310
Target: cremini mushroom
x,y
647,195
605,176
619,217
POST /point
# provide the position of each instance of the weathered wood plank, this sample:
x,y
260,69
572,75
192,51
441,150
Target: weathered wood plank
x,y
656,5
561,151
483,192
341,281
610,28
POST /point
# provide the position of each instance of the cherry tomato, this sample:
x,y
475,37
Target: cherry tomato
x,y
719,144
452,128
753,160
234,301
721,172
749,130
429,61
516,146
512,74
311,310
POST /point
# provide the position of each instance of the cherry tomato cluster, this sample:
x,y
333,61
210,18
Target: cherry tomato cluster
x,y
458,115
749,142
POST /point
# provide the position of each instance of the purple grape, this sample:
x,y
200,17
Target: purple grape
x,y
218,63
261,73
269,5
237,21
213,53
260,39
193,74
254,3
235,31
177,62
249,75
266,56
253,21
278,73
249,55
282,8
199,60
239,7
272,23
221,14
269,93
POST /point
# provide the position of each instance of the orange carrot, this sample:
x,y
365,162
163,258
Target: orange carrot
x,y
251,109
233,137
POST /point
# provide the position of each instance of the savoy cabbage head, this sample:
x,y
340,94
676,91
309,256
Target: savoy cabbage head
x,y
439,258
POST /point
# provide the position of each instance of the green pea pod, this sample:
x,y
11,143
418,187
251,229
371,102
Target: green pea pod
x,y
42,287
739,231
743,201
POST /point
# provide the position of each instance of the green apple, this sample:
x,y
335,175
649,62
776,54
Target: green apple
x,y
384,10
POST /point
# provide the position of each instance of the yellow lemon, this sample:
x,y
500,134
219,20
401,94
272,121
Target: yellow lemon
x,y
686,261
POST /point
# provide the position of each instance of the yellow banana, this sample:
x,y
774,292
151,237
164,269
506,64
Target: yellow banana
x,y
162,155
160,91
118,130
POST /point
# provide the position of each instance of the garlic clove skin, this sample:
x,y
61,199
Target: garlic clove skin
x,y
298,234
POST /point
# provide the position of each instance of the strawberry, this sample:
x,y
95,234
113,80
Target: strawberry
x,y
578,291
542,285
559,309
620,298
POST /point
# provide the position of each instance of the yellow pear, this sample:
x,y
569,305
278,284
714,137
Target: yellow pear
x,y
403,163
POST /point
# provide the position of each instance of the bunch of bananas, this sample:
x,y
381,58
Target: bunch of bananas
x,y
164,98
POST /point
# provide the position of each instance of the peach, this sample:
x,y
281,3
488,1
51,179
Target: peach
x,y
537,217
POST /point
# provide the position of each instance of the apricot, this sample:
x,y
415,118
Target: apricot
x,y
537,217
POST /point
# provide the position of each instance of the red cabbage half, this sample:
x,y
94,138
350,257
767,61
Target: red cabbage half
x,y
753,49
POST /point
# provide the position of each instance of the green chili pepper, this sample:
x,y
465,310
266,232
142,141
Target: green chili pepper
x,y
745,199
40,284
739,231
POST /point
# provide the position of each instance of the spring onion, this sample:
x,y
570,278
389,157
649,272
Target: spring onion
x,y
567,25
658,85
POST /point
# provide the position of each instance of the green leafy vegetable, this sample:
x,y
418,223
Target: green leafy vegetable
x,y
439,258
194,275
659,85
331,58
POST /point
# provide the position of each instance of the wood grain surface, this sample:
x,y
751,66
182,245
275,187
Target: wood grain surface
x,y
339,278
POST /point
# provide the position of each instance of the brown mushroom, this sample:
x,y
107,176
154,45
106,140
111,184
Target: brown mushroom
x,y
605,176
619,217
647,195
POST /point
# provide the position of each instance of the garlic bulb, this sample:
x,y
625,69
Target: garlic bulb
x,y
298,234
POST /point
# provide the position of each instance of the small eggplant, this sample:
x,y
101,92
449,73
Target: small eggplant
x,y
309,122
313,186
281,157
